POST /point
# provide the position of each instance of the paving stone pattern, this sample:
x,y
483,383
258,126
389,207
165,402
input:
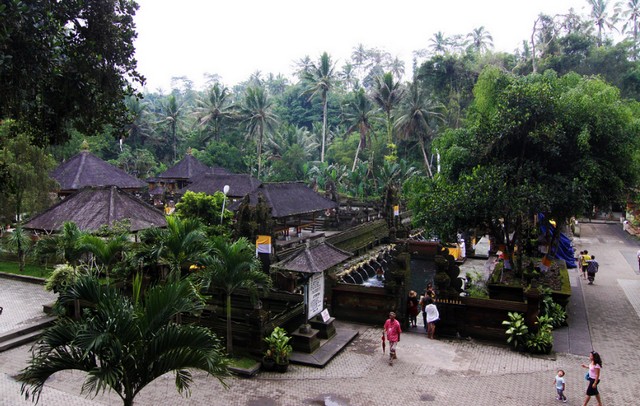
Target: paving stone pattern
x,y
427,372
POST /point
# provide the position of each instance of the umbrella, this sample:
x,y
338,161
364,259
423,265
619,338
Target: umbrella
x,y
383,344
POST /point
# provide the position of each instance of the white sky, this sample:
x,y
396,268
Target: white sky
x,y
234,38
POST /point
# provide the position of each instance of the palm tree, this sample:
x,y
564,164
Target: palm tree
x,y
18,241
105,252
359,116
481,39
631,13
233,266
417,120
387,94
439,43
600,16
178,246
257,111
214,110
321,78
124,346
170,114
65,245
137,129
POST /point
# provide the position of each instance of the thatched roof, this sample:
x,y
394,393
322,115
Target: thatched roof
x,y
240,185
291,198
313,259
87,170
92,208
187,168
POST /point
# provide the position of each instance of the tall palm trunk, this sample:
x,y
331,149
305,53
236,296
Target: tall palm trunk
x,y
260,135
324,124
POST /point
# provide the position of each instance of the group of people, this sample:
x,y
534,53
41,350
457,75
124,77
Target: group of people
x,y
588,265
430,315
592,376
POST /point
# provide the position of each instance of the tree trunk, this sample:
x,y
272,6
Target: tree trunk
x,y
426,158
229,332
324,124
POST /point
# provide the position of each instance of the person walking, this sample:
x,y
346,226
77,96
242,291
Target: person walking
x,y
428,293
595,365
583,262
560,386
432,316
592,268
413,308
392,330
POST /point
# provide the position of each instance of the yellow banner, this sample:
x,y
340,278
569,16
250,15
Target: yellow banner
x,y
263,244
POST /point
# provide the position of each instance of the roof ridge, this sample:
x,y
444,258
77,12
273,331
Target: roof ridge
x,y
76,179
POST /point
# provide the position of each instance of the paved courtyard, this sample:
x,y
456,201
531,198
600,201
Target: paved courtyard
x,y
430,372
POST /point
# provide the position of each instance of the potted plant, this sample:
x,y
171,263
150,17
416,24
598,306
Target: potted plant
x,y
269,359
279,348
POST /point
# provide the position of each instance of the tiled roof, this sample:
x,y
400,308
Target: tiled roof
x,y
92,208
86,169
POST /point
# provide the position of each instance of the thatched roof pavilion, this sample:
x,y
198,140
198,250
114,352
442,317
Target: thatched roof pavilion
x,y
240,185
291,199
92,208
313,259
184,170
87,170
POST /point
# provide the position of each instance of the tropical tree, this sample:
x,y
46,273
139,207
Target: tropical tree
x,y
359,116
171,111
19,242
321,78
439,43
105,252
180,245
417,120
124,346
258,116
481,40
64,245
387,94
233,266
214,110
630,11
600,16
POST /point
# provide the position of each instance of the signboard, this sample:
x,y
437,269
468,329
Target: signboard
x,y
315,297
325,315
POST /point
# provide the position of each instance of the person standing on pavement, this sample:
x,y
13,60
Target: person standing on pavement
x,y
595,365
413,308
592,268
560,386
638,255
432,316
583,262
392,330
428,293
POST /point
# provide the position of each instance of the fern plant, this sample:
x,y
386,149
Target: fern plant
x,y
517,331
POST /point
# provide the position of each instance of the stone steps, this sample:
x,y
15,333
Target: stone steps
x,y
18,337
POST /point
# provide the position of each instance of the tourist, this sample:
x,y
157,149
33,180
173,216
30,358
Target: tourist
x,y
592,268
583,262
432,317
559,384
428,293
392,330
413,308
638,255
595,365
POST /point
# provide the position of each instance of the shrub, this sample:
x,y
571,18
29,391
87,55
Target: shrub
x,y
62,276
517,331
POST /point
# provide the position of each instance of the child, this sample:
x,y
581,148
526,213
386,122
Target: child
x,y
559,383
392,330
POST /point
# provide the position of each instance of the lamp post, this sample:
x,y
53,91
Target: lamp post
x,y
225,190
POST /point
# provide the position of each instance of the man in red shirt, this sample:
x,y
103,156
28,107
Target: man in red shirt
x,y
392,330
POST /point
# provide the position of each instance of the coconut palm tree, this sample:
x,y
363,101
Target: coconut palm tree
x,y
214,110
359,115
630,11
387,94
321,78
439,43
417,120
481,39
600,16
171,113
124,346
258,116
233,266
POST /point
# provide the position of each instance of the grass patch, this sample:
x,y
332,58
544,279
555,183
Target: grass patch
x,y
242,362
29,269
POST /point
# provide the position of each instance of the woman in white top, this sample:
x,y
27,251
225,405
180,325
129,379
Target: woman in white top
x,y
432,317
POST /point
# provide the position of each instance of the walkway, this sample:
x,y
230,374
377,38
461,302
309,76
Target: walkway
x,y
430,372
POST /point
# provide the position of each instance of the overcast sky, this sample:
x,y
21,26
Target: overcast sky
x,y
234,38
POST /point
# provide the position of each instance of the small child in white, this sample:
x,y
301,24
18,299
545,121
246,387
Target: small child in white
x,y
559,383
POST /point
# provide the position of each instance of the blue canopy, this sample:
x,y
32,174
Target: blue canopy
x,y
563,250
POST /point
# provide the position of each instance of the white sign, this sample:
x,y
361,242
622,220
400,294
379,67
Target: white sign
x,y
325,315
315,298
